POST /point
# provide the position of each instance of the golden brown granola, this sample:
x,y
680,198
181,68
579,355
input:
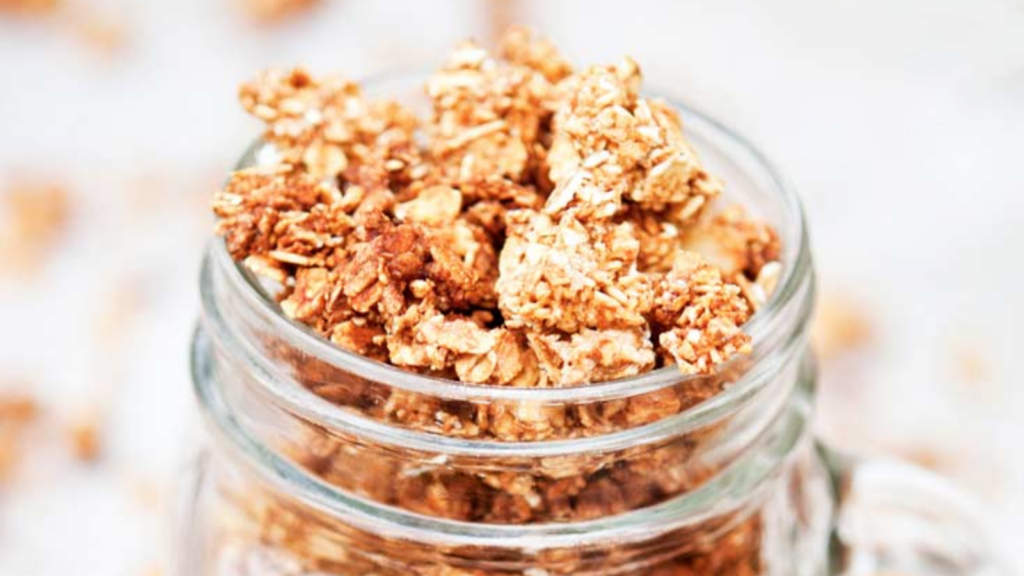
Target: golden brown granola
x,y
271,11
488,115
700,316
841,324
17,411
734,242
84,437
29,7
438,258
609,144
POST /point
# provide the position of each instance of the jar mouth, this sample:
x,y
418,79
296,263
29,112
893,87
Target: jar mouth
x,y
770,328
729,492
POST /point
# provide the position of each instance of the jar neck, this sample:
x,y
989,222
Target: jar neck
x,y
264,399
735,488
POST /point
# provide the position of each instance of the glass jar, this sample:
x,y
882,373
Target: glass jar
x,y
321,462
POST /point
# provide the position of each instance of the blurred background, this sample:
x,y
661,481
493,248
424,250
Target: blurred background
x,y
901,122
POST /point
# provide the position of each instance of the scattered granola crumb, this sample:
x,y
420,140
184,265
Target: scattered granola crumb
x,y
840,325
105,34
531,233
522,46
561,274
37,214
971,364
29,7
17,411
541,217
326,126
274,11
83,437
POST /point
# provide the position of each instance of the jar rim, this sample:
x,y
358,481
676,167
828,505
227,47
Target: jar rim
x,y
766,326
729,492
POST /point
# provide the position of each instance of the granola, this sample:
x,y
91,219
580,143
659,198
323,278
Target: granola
x,y
327,126
700,315
549,215
544,227
488,115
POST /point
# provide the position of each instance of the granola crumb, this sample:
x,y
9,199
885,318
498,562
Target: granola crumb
x,y
841,324
37,215
541,218
522,46
561,274
593,355
275,11
17,412
83,437
29,7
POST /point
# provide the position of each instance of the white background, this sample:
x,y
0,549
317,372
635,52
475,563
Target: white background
x,y
902,123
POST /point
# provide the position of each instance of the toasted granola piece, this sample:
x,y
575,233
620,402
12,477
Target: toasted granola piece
x,y
521,420
487,115
700,316
434,206
17,411
282,214
521,46
389,269
563,275
659,239
593,355
499,189
735,242
423,337
509,362
631,147
327,126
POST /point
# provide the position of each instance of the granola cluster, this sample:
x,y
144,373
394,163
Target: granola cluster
x,y
543,227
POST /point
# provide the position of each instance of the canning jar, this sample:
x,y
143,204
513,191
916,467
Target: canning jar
x,y
321,462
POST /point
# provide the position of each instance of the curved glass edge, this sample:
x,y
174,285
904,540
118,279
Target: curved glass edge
x,y
894,517
734,487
